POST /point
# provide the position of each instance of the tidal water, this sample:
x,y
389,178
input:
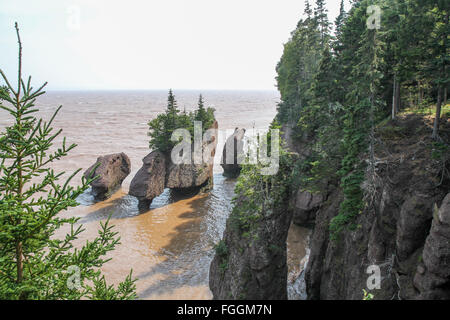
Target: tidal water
x,y
169,247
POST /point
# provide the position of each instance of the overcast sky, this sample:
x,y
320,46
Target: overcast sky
x,y
149,44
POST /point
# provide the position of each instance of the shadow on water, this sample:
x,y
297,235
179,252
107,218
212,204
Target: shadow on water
x,y
190,249
188,253
122,206
185,255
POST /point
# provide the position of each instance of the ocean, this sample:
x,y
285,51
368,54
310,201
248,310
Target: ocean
x,y
169,247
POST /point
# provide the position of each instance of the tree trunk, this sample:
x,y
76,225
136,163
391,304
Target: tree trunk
x,y
19,262
445,96
397,97
438,115
393,97
420,94
437,118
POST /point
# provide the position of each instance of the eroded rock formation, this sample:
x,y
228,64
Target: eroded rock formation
x,y
305,206
235,146
433,272
159,172
111,170
188,176
149,181
254,266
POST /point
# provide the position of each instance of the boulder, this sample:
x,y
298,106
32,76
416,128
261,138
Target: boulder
x,y
149,181
306,205
235,145
432,278
111,170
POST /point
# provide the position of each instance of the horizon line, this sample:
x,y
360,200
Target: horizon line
x,y
157,89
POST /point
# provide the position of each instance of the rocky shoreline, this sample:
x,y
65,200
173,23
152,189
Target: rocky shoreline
x,y
405,231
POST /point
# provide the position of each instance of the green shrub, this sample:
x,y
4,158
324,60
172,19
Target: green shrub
x,y
221,249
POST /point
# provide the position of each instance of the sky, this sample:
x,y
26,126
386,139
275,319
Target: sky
x,y
149,44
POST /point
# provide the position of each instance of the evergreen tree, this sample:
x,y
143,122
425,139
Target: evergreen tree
x,y
321,16
338,25
201,111
33,263
324,83
3,91
163,126
439,50
172,111
297,68
340,95
308,10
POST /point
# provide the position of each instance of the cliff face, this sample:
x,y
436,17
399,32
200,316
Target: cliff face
x,y
433,273
392,231
251,260
253,266
401,230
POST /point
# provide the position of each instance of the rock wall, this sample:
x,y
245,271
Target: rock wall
x,y
392,230
397,231
254,267
433,273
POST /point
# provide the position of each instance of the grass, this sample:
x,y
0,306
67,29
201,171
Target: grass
x,y
429,110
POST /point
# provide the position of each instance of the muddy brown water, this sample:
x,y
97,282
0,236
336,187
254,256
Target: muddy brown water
x,y
170,246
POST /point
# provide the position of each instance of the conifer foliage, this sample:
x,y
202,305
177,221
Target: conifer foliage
x,y
34,264
335,88
163,126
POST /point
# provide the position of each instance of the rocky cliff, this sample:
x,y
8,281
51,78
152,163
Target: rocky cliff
x,y
391,232
253,266
251,260
404,228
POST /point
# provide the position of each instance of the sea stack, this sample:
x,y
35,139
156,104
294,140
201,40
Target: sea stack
x,y
111,170
233,153
149,181
159,172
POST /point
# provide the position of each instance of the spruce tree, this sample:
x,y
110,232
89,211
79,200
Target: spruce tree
x,y
172,110
339,24
439,48
324,84
34,264
308,10
163,126
201,111
320,15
